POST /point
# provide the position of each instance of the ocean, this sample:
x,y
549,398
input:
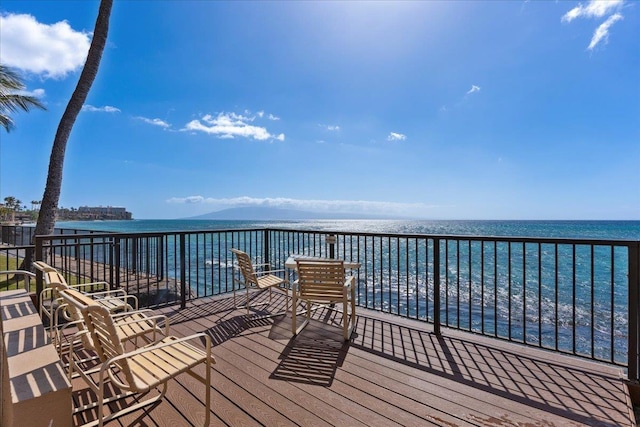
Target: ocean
x,y
608,230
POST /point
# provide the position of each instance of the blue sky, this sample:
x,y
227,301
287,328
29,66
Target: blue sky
x,y
435,110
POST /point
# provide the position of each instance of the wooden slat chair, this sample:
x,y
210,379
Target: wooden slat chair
x,y
140,370
262,280
116,300
130,325
324,282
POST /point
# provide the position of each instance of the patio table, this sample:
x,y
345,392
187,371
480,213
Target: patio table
x,y
290,263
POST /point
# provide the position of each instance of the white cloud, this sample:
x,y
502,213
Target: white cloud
x,y
463,99
232,125
36,93
155,122
593,9
105,109
330,128
597,9
473,89
602,32
261,114
393,136
51,51
343,206
188,200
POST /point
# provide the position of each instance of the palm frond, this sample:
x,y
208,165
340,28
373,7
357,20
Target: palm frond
x,y
11,100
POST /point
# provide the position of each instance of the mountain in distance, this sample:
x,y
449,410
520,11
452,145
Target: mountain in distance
x,y
267,213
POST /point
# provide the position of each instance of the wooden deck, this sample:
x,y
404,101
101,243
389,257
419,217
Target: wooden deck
x,y
393,372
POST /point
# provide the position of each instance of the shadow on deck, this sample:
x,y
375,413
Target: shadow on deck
x,y
393,372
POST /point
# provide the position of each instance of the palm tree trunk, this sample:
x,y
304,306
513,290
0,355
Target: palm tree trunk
x,y
47,217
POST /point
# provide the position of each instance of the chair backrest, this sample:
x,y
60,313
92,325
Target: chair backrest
x,y
76,302
108,345
321,280
50,274
246,267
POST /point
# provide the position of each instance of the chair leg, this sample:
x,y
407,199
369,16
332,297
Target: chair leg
x,y
286,301
207,415
247,302
294,312
353,310
345,320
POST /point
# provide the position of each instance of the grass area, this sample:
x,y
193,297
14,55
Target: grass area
x,y
10,281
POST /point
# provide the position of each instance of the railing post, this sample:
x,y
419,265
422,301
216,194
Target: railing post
x,y
39,279
134,255
183,271
265,246
436,286
160,269
114,270
634,312
331,241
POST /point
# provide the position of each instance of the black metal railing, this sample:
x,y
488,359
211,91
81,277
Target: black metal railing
x,y
572,296
567,295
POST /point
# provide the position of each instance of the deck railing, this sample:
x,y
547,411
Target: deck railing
x,y
572,296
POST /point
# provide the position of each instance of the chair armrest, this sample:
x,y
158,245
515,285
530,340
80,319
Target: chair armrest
x,y
42,266
115,293
46,294
18,272
155,346
124,298
262,265
348,281
81,286
155,319
129,313
270,272
26,274
69,324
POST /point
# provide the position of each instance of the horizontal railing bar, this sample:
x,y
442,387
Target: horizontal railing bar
x,y
512,239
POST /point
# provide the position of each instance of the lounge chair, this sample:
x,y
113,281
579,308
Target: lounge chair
x,y
130,325
262,280
116,300
141,370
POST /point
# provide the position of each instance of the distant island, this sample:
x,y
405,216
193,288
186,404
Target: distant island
x,y
268,213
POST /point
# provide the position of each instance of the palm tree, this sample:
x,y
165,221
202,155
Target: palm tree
x,y
13,204
10,98
47,218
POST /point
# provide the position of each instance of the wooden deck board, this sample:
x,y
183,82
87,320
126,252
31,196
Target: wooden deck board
x,y
394,371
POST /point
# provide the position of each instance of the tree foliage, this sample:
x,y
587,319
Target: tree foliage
x,y
11,100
